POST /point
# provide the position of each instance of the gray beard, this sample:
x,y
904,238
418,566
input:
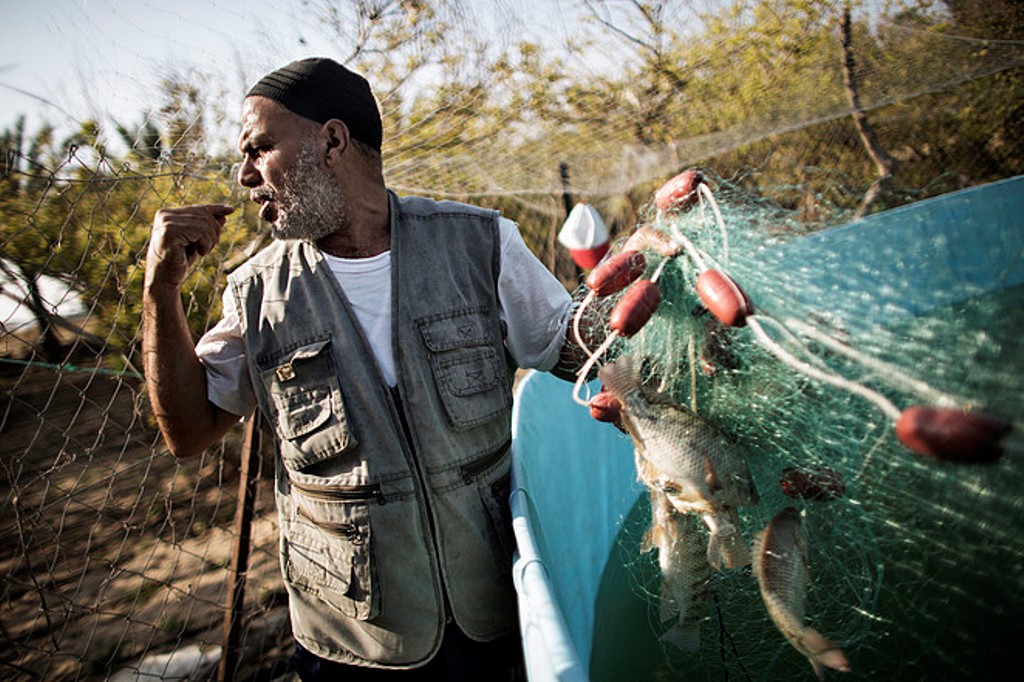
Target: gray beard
x,y
311,204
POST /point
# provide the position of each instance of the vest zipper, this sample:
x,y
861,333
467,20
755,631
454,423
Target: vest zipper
x,y
470,471
341,493
348,531
396,401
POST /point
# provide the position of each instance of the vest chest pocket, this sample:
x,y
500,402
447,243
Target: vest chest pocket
x,y
306,405
468,370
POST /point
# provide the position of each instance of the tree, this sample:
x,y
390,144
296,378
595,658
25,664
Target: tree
x,y
75,211
32,228
144,142
885,164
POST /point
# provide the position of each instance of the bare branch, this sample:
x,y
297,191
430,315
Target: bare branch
x,y
607,23
885,164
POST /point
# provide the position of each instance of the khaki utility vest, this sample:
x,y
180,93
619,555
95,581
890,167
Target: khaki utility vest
x,y
393,503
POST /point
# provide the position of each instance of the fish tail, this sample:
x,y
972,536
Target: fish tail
x,y
822,652
683,636
621,376
726,547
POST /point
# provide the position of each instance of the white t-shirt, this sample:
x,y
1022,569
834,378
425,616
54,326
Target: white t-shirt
x,y
535,310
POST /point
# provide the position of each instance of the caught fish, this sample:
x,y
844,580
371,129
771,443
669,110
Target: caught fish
x,y
684,571
780,565
696,466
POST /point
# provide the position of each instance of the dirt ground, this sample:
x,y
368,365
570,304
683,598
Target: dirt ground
x,y
112,550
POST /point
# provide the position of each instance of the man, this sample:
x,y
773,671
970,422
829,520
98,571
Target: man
x,y
378,336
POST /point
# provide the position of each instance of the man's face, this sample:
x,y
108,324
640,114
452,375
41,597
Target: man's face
x,y
281,164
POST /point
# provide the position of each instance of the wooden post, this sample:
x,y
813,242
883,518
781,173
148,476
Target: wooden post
x,y
563,172
567,202
244,510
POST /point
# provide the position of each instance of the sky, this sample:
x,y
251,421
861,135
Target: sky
x,y
64,61
68,60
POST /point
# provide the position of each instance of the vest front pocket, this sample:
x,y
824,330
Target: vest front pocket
x,y
328,552
469,373
305,401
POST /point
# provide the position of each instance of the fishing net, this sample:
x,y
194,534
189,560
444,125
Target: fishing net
x,y
914,561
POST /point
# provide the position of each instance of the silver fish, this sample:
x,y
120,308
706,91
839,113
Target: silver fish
x,y
684,571
780,565
696,466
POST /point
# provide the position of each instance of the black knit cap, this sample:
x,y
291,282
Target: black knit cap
x,y
321,89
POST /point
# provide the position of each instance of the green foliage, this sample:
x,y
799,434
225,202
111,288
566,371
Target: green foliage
x,y
144,142
83,217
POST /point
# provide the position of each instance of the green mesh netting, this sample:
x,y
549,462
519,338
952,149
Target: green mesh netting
x,y
917,567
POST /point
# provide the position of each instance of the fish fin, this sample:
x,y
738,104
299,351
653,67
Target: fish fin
x,y
726,548
727,551
685,637
715,556
651,539
621,376
710,476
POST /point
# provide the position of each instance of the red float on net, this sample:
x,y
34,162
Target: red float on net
x,y
951,434
616,273
723,297
680,192
635,308
818,483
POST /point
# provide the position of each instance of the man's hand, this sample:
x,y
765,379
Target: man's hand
x,y
180,236
176,379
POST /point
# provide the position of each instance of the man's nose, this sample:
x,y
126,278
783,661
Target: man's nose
x,y
248,176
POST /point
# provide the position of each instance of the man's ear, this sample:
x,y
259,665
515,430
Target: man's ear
x,y
336,138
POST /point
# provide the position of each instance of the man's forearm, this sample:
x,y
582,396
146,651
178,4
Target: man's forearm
x,y
592,328
175,378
